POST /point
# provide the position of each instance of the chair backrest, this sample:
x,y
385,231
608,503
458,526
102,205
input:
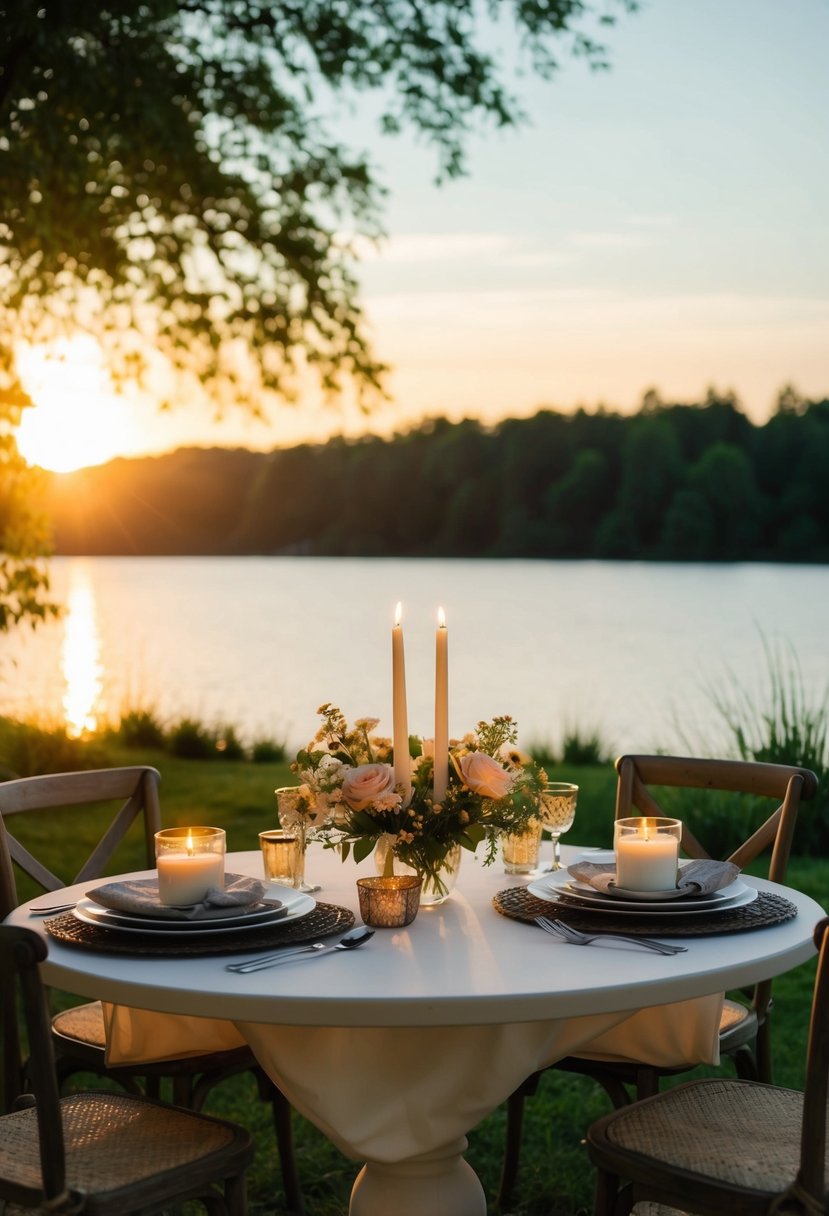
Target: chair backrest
x,y
21,950
811,1176
788,785
133,789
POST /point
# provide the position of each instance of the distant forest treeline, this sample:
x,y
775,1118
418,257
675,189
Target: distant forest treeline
x,y
678,482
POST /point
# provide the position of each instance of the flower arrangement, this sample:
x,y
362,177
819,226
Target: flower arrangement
x,y
492,788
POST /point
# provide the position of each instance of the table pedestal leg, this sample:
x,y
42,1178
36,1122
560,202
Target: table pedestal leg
x,y
440,1183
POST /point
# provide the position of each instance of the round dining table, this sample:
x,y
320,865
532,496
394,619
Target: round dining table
x,y
397,1049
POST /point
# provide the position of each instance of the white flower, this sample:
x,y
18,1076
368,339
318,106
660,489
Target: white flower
x,y
363,785
484,776
512,756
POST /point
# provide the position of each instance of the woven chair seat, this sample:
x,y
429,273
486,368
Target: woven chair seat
x,y
112,1141
84,1023
703,1128
734,1014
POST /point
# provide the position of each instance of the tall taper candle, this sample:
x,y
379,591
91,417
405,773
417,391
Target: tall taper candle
x,y
400,717
441,708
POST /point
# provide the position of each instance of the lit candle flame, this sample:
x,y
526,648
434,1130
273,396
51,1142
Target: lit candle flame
x,y
398,614
190,848
441,619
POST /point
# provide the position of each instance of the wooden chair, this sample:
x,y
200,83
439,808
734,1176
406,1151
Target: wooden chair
x,y
744,1027
78,1035
724,1147
102,1153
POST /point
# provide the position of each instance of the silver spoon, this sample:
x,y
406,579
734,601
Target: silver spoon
x,y
355,938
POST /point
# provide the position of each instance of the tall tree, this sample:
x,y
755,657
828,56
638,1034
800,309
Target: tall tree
x,y
168,179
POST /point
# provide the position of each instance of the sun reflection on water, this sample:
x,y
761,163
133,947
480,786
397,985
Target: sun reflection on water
x,y
80,657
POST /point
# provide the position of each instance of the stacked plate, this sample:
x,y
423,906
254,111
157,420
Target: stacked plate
x,y
560,887
287,905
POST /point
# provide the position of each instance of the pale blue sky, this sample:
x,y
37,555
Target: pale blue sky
x,y
660,224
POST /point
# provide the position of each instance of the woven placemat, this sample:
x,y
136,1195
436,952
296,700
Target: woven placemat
x,y
766,909
322,922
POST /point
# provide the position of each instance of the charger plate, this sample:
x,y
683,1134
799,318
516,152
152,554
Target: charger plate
x,y
557,889
324,920
767,909
257,917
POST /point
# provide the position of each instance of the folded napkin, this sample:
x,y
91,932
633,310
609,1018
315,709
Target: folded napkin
x,y
139,897
695,877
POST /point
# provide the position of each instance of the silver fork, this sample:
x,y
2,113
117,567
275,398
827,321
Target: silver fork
x,y
575,937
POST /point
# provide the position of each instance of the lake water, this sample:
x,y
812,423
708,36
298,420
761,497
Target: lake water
x,y
632,650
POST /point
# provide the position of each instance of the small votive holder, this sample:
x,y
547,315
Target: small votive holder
x,y
282,857
520,849
389,903
190,862
647,852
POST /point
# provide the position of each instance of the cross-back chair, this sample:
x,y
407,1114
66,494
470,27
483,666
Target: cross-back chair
x,y
102,1153
744,1034
720,1146
130,795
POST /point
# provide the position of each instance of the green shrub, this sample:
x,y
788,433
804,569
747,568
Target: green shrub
x,y
228,744
268,751
586,747
140,729
192,740
783,725
29,748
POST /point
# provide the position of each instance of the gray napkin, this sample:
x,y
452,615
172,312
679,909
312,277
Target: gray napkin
x,y
139,897
695,877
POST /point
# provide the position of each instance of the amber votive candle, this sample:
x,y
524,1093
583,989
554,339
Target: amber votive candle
x,y
389,903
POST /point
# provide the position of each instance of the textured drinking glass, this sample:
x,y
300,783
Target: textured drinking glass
x,y
282,857
557,810
295,807
520,849
190,862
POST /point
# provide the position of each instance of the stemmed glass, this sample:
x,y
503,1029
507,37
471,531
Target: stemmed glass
x,y
557,810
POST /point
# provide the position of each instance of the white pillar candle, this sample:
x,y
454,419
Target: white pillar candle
x,y
441,778
185,878
400,717
646,861
190,862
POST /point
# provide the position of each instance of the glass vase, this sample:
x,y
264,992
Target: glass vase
x,y
430,892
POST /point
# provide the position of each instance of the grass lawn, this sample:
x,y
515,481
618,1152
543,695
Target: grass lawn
x,y
555,1177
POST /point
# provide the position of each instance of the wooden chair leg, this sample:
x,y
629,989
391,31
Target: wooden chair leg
x,y
647,1083
609,1199
236,1195
512,1137
281,1110
762,1053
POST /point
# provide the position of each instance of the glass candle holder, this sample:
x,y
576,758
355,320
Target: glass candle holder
x,y
191,862
520,849
282,857
647,852
389,903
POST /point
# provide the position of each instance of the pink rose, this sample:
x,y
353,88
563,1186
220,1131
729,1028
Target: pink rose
x,y
485,776
366,783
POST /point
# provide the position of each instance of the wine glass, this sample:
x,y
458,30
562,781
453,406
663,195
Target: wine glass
x,y
557,810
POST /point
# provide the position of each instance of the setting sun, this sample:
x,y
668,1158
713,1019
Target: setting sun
x,y
77,418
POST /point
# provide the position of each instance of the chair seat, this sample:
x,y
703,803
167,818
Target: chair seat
x,y
734,1014
115,1143
699,1131
83,1023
